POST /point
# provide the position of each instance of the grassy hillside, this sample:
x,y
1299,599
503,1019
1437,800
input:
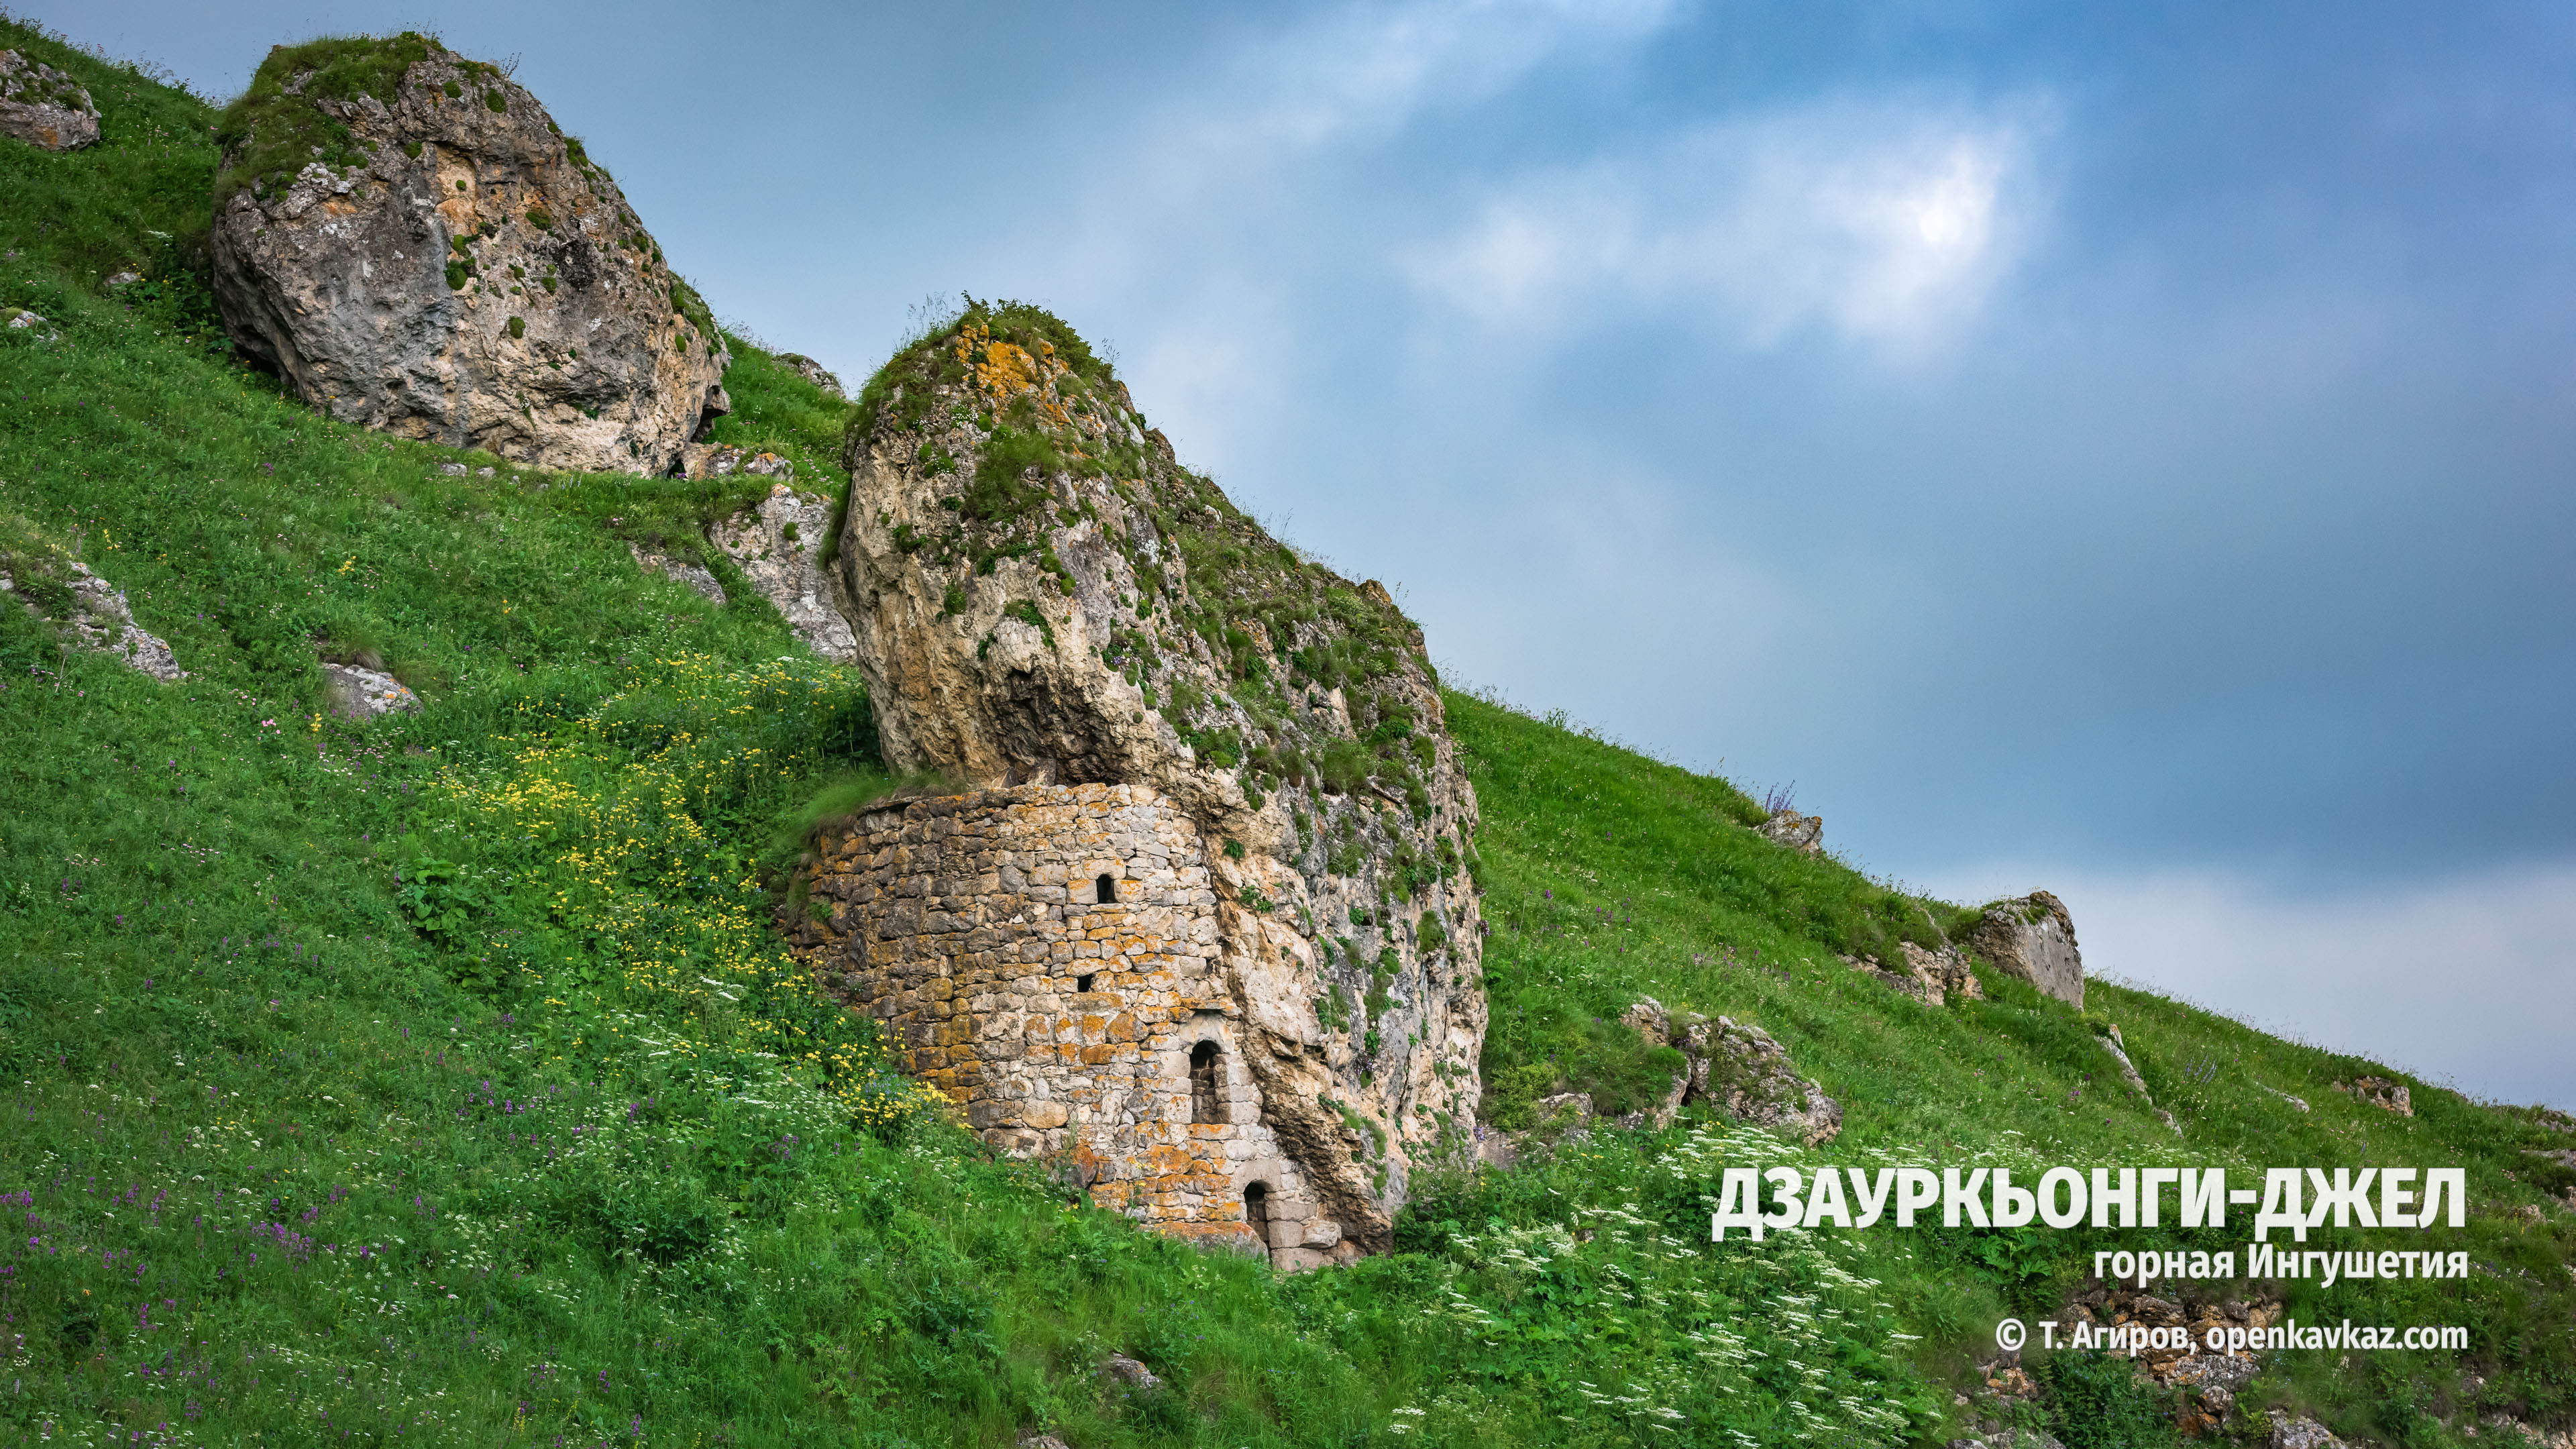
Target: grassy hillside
x,y
440,1080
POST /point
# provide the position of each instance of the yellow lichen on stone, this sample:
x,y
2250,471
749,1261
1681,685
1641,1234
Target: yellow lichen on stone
x,y
1005,370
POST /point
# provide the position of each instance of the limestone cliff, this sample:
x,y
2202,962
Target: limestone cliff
x,y
1042,594
408,238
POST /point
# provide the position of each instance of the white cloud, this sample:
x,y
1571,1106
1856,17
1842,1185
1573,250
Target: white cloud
x,y
1879,224
1369,69
2465,979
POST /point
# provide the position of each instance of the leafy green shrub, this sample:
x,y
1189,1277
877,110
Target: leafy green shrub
x,y
2095,1402
623,1193
441,899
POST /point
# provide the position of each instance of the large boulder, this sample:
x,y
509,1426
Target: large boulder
x,y
44,107
410,241
1041,594
2032,937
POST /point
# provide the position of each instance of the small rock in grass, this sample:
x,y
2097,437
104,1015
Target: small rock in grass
x,y
1128,1371
363,694
2303,1433
1798,832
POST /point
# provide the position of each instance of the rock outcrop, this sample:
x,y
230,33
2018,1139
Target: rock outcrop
x,y
44,107
723,460
1742,1071
91,612
1796,831
2119,1049
1737,1069
685,571
2033,937
1929,976
779,548
2380,1092
813,372
1041,594
410,241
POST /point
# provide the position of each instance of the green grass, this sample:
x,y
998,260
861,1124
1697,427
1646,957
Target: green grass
x,y
1610,876
271,134
442,1076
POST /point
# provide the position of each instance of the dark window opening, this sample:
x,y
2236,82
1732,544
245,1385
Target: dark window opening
x,y
1256,1211
1105,891
1083,983
1204,1076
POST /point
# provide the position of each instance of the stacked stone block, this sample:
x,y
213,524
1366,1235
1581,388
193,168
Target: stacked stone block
x,y
1061,1018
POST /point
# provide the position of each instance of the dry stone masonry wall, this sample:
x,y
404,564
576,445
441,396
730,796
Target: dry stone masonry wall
x,y
1048,958
409,239
1041,595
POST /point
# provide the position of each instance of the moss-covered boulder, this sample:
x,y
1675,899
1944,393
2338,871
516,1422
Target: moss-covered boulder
x,y
411,241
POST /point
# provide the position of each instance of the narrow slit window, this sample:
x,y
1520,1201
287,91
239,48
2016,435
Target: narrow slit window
x,y
1206,1071
1105,891
1256,1211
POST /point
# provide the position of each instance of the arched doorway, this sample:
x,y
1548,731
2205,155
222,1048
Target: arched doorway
x,y
1207,1074
1256,1211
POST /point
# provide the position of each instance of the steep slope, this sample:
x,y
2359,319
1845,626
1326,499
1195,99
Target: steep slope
x,y
439,1076
1611,877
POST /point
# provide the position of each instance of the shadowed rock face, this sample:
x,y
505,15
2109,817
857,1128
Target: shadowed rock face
x,y
450,268
1041,594
44,107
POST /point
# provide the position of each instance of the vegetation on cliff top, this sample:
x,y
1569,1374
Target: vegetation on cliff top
x,y
269,132
435,1076
1013,390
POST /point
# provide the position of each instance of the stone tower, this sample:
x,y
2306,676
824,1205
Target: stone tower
x,y
1198,919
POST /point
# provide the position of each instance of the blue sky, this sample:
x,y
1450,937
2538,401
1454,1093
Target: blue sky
x,y
2121,448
